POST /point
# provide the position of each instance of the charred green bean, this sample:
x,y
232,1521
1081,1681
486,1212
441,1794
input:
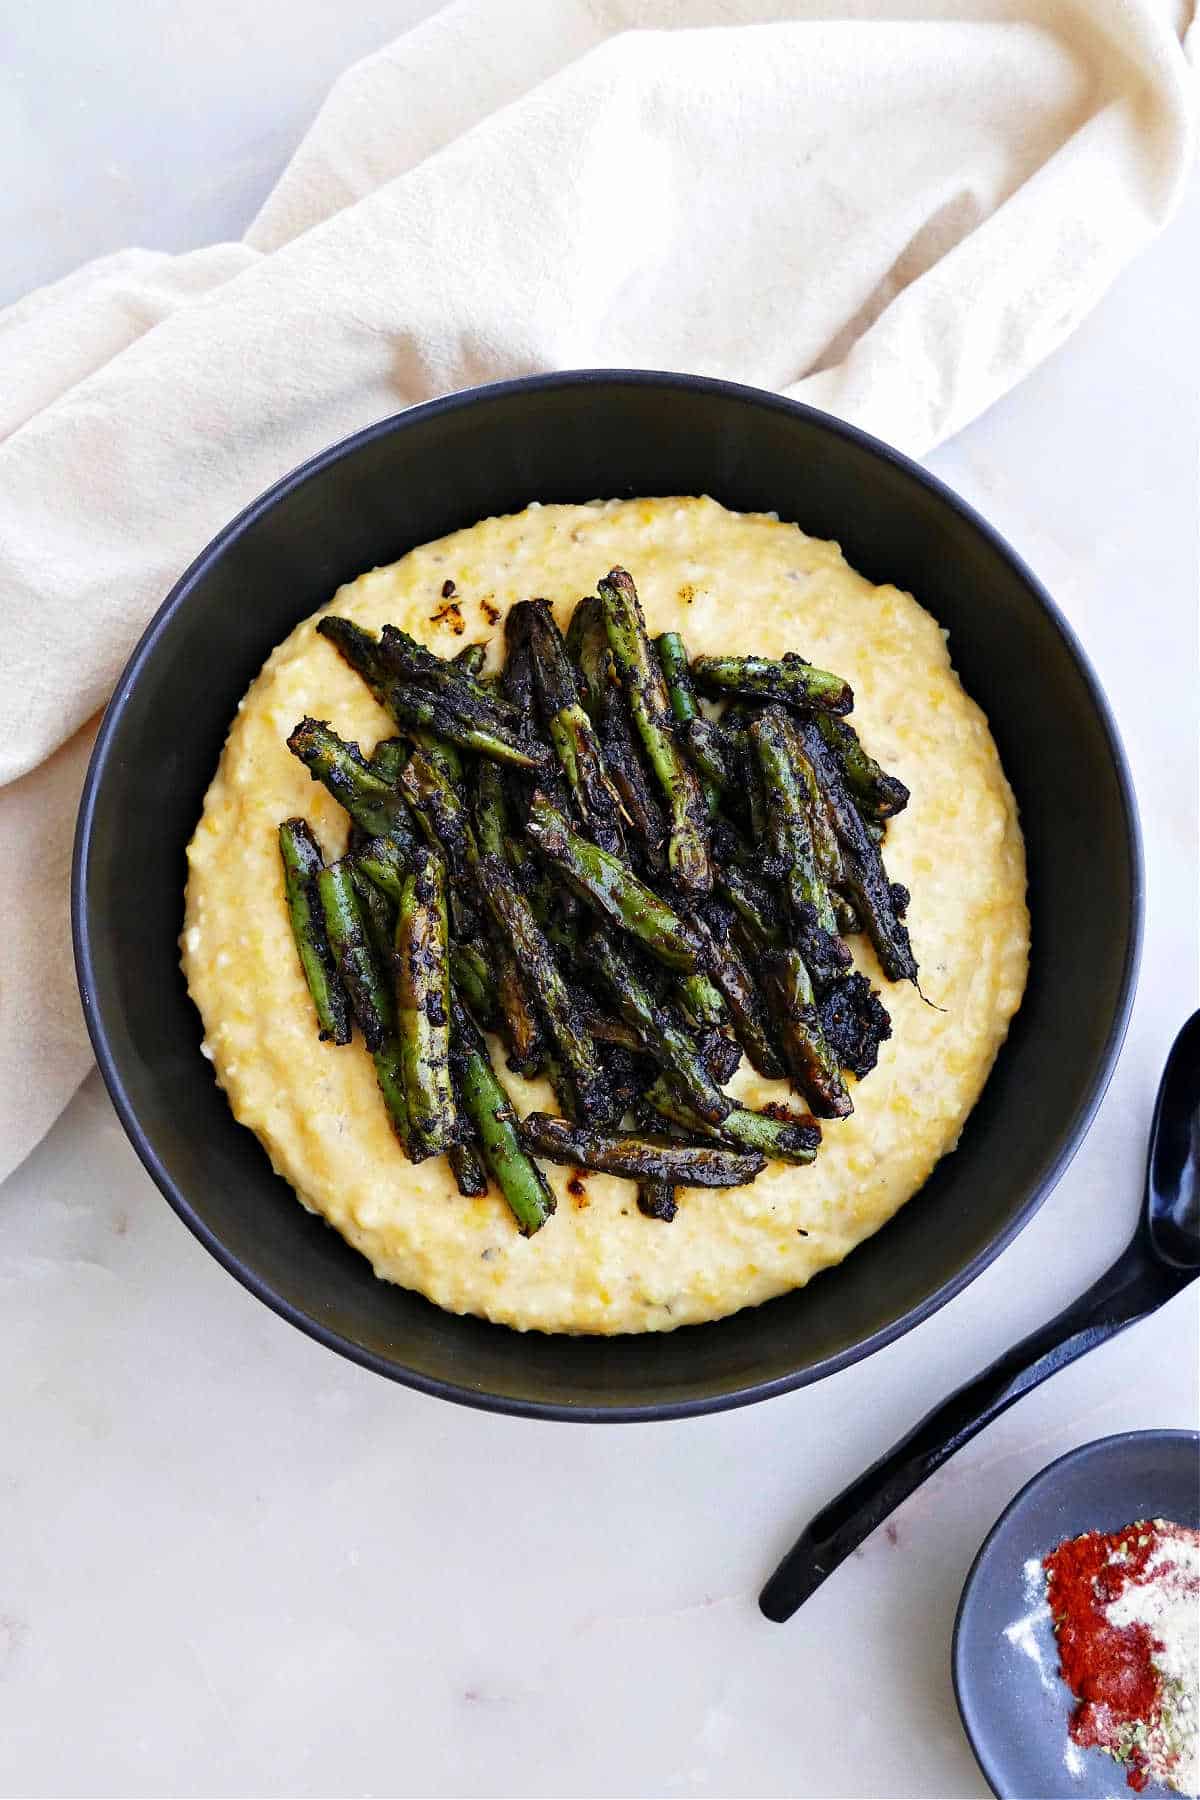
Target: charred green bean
x,y
363,979
490,1110
611,887
792,681
638,1159
645,689
302,863
423,1009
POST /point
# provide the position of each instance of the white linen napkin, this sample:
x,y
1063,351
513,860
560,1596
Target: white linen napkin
x,y
891,209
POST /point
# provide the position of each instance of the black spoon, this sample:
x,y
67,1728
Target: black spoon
x,y
1162,1257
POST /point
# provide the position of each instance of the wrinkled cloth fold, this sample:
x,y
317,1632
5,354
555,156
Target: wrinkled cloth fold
x,y
891,209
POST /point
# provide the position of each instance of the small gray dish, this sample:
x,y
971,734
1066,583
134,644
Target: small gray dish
x,y
1014,1706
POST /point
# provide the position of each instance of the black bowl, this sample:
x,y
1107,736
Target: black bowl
x,y
578,437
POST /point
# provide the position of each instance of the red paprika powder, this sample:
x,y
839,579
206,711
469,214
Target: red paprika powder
x,y
1108,1667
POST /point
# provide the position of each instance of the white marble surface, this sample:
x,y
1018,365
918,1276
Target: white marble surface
x,y
232,1564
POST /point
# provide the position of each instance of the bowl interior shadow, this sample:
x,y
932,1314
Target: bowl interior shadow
x,y
441,467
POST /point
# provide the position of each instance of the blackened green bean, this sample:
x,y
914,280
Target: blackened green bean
x,y
875,792
302,862
363,979
780,1135
747,1014
587,647
389,1074
378,912
475,980
385,865
408,661
638,1159
572,1041
423,1009
491,1113
610,886
415,708
811,1062
791,681
387,759
790,837
645,689
866,878
375,805
470,1176
662,1031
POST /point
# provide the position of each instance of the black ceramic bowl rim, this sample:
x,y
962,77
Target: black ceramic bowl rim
x,y
1044,1477
81,923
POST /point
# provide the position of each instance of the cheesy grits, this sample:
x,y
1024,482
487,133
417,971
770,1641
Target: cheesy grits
x,y
728,582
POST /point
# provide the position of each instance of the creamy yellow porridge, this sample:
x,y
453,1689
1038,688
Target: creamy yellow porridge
x,y
728,582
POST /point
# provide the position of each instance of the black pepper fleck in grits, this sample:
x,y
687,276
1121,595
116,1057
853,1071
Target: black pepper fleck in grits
x,y
447,587
490,612
800,1231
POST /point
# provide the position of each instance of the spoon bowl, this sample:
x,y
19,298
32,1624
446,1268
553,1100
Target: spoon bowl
x,y
1173,1171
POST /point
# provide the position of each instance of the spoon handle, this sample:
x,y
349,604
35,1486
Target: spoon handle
x,y
1133,1287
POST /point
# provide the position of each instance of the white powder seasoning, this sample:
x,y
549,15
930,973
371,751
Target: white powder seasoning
x,y
1166,1600
1022,1634
1073,1760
